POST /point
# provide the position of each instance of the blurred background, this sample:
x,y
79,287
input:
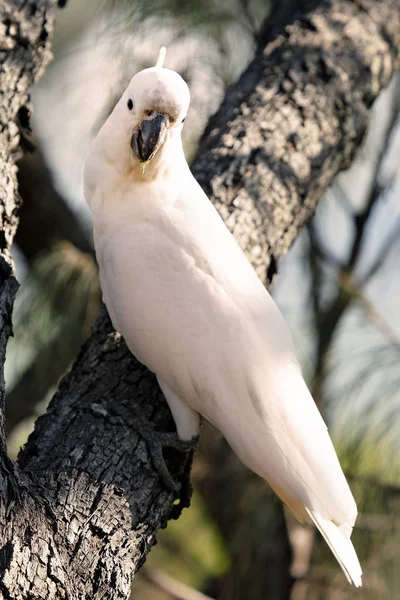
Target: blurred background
x,y
339,288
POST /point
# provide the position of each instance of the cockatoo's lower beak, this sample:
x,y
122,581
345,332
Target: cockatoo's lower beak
x,y
148,137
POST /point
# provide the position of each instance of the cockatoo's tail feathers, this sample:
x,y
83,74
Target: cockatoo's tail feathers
x,y
161,57
341,547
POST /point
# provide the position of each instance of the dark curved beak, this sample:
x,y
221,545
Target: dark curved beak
x,y
148,137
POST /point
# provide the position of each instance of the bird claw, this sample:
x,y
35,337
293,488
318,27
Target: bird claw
x,y
156,445
156,442
172,440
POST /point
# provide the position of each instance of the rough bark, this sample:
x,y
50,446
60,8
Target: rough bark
x,y
81,508
296,118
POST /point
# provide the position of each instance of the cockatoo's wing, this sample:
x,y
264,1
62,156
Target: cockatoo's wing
x,y
193,310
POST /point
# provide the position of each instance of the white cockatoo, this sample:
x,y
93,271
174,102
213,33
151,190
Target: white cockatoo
x,y
192,309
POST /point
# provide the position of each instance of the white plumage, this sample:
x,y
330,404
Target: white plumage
x,y
191,308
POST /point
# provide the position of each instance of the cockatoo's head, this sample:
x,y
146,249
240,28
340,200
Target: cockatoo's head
x,y
146,119
157,101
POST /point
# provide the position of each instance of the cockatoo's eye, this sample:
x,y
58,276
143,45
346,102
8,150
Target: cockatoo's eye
x,y
183,120
130,104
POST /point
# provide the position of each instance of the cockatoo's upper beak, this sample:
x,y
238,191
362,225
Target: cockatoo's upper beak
x,y
148,136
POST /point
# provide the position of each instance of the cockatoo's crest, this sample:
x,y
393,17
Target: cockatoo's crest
x,y
161,57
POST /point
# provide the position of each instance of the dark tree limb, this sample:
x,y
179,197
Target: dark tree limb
x,y
81,509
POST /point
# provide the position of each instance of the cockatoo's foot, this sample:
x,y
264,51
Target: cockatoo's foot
x,y
161,441
158,441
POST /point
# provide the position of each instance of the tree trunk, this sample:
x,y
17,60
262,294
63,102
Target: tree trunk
x,y
81,508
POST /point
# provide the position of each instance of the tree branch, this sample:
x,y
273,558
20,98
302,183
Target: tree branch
x,y
81,509
173,588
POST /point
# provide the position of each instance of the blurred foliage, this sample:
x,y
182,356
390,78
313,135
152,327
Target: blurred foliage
x,y
201,558
377,539
61,289
54,310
